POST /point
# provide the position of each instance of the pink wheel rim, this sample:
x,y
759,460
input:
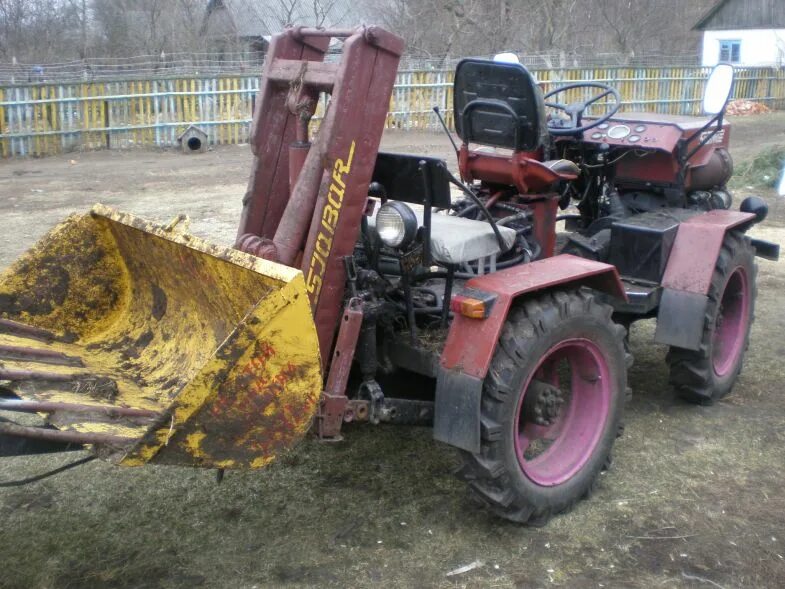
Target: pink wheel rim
x,y
730,329
575,433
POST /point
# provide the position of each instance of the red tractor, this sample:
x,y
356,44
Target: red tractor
x,y
452,299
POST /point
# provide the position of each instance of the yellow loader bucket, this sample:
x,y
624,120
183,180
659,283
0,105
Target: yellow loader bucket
x,y
154,346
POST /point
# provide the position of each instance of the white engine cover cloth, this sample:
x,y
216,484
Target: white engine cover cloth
x,y
455,240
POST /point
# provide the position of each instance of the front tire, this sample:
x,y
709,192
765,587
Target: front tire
x,y
706,375
551,407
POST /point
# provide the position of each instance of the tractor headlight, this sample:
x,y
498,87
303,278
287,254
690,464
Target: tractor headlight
x,y
396,224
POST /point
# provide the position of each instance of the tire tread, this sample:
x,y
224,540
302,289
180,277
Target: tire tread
x,y
490,482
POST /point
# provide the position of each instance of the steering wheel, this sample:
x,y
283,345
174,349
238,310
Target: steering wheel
x,y
575,110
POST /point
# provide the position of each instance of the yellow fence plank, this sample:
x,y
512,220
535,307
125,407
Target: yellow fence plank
x,y
44,119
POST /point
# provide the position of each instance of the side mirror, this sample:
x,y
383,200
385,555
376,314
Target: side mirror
x,y
718,89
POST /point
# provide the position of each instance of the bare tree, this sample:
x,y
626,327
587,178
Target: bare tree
x,y
478,27
133,27
12,17
81,11
287,12
306,12
44,30
35,30
331,11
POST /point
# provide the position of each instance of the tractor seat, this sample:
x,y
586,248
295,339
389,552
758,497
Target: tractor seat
x,y
455,240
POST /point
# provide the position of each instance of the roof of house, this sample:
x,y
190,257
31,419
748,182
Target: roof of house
x,y
262,18
743,14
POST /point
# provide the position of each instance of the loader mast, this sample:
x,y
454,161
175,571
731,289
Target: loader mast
x,y
306,199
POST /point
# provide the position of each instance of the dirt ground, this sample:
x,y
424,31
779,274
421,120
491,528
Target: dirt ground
x,y
694,497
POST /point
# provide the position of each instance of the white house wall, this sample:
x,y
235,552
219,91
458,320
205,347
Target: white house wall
x,y
758,46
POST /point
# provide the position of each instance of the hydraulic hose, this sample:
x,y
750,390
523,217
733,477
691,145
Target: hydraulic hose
x,y
470,193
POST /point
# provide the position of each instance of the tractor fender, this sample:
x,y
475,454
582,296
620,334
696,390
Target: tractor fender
x,y
471,342
688,273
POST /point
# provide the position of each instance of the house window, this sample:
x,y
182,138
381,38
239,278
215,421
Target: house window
x,y
730,51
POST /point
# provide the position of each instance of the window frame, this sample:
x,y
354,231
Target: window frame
x,y
727,47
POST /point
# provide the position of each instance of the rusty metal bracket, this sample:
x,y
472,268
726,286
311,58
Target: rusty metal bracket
x,y
333,404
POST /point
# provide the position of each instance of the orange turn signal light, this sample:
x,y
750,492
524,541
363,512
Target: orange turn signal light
x,y
474,307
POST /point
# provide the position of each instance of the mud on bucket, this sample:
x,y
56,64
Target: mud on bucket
x,y
156,346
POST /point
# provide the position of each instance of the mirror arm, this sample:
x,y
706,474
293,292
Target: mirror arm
x,y
715,119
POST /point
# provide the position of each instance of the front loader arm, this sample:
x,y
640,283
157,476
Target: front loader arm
x,y
273,132
315,221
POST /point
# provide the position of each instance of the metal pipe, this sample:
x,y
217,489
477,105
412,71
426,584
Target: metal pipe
x,y
38,355
12,374
298,152
300,32
23,330
125,96
123,129
407,293
251,92
52,407
296,221
493,198
53,435
447,295
426,181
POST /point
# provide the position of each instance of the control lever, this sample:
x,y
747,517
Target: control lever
x,y
351,274
446,130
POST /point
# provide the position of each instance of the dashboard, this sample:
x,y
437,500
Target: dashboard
x,y
626,131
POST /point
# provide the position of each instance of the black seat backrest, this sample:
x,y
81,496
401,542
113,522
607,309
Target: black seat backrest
x,y
498,104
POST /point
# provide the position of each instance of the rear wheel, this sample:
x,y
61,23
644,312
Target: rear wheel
x,y
551,407
708,374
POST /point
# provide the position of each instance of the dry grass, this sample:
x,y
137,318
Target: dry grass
x,y
762,171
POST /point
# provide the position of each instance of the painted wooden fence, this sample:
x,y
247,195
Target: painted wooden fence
x,y
44,119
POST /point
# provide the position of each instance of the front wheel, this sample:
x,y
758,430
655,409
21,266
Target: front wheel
x,y
551,407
